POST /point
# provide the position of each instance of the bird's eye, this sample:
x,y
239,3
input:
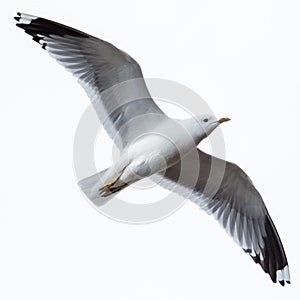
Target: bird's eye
x,y
205,120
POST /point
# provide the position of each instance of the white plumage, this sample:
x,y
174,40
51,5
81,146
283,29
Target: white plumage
x,y
154,145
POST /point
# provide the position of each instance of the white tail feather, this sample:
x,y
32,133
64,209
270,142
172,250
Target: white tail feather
x,y
90,187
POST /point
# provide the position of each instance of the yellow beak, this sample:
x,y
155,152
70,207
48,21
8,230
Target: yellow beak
x,y
222,120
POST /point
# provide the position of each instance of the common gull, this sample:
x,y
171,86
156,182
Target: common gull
x,y
156,146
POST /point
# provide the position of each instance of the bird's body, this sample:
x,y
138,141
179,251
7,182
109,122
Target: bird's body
x,y
156,146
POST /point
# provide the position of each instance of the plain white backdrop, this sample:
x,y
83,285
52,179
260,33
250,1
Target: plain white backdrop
x,y
242,57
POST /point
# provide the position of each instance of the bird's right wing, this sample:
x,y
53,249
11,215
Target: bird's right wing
x,y
225,191
112,79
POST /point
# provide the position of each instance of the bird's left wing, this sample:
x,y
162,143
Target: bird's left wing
x,y
225,191
112,79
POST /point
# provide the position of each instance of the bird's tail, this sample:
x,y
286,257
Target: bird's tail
x,y
92,187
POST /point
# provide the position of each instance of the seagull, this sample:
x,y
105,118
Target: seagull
x,y
156,146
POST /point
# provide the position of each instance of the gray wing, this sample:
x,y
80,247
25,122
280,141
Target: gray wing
x,y
112,79
225,191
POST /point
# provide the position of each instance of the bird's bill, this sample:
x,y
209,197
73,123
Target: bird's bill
x,y
222,120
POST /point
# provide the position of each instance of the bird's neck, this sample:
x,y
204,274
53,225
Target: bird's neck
x,y
193,127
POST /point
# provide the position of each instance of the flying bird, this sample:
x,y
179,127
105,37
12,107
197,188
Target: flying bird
x,y
156,146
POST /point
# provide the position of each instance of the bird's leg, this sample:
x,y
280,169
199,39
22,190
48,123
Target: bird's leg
x,y
117,188
109,185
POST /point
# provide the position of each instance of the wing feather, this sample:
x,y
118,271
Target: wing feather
x,y
111,78
235,203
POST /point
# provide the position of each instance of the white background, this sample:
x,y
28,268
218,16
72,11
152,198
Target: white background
x,y
242,57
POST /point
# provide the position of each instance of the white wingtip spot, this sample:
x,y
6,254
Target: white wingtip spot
x,y
283,274
25,18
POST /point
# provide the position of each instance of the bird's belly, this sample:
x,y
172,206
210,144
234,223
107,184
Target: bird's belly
x,y
155,153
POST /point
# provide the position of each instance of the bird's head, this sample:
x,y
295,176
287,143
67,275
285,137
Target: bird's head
x,y
205,124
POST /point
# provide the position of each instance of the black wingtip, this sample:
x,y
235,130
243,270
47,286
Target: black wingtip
x,y
273,278
274,258
18,17
281,282
40,28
